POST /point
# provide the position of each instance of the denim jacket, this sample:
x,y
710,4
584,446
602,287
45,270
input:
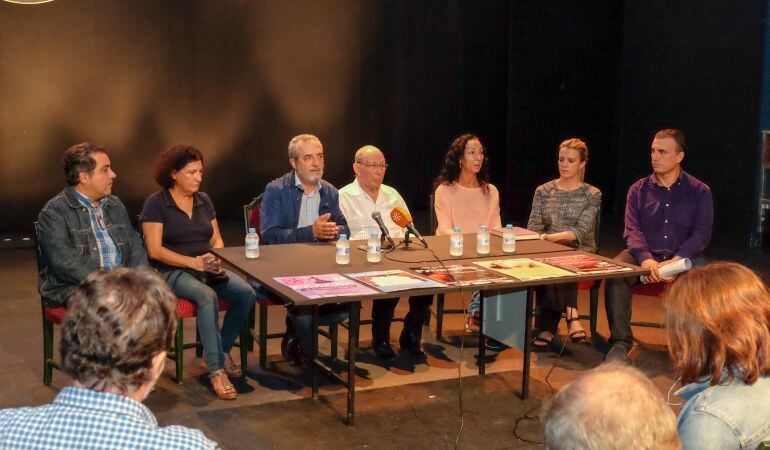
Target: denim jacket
x,y
279,212
68,250
726,416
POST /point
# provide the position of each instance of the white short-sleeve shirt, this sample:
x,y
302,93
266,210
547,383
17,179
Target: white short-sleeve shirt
x,y
357,207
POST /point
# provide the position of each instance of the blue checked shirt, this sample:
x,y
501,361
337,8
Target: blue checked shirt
x,y
109,252
84,419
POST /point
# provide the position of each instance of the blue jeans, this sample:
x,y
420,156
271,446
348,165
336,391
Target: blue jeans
x,y
240,297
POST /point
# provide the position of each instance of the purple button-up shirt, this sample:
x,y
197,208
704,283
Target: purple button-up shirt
x,y
665,222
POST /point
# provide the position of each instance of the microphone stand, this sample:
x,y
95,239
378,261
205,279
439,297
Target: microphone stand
x,y
406,240
386,242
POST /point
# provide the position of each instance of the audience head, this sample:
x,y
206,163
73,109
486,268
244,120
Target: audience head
x,y
667,151
613,406
88,167
306,156
118,326
465,154
180,165
370,166
573,156
718,321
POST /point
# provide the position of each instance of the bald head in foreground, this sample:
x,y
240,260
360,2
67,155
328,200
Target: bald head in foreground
x,y
610,407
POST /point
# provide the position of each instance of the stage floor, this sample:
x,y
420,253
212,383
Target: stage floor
x,y
397,405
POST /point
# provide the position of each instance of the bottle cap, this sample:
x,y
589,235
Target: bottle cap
x,y
509,226
343,236
484,227
457,229
252,230
374,235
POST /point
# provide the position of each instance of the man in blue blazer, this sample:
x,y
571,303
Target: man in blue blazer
x,y
301,207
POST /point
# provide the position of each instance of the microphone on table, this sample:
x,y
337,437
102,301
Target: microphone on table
x,y
403,219
383,229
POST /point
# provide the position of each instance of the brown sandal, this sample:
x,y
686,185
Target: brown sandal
x,y
231,368
222,386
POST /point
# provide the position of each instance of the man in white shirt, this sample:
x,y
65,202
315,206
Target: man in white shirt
x,y
358,200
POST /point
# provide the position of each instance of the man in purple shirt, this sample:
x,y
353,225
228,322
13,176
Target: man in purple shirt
x,y
669,216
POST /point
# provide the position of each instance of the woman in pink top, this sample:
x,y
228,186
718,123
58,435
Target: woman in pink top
x,y
464,196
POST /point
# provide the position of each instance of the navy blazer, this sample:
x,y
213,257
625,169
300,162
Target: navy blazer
x,y
279,211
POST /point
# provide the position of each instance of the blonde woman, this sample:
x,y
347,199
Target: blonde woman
x,y
564,210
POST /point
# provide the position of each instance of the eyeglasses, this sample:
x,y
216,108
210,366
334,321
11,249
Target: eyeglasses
x,y
374,166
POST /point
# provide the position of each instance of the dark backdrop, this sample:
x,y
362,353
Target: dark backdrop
x,y
238,79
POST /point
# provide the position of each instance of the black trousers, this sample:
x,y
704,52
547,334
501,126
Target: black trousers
x,y
552,300
617,301
383,310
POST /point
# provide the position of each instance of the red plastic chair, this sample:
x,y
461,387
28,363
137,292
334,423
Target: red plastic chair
x,y
51,316
186,309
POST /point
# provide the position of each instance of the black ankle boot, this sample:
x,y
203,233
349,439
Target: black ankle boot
x,y
381,340
410,342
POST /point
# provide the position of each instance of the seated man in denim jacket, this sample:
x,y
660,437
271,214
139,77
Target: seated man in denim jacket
x,y
301,207
84,228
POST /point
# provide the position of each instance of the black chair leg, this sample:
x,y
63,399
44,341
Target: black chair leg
x,y
594,311
179,350
245,340
252,325
439,316
334,338
262,336
47,351
198,345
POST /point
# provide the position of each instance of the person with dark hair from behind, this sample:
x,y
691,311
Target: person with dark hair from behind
x,y
564,210
465,198
718,327
302,207
180,229
84,228
669,216
611,407
113,345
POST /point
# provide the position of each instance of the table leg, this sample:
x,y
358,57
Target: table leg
x,y
314,349
527,341
354,319
482,337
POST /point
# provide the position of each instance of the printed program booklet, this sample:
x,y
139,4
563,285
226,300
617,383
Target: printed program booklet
x,y
326,285
524,269
583,264
522,234
463,275
393,280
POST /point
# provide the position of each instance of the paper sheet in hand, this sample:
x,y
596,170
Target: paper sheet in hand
x,y
675,268
393,280
326,285
524,269
459,275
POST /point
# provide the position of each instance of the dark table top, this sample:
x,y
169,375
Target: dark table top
x,y
319,258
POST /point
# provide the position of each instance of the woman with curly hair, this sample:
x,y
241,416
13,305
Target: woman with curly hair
x,y
718,326
466,199
180,229
464,196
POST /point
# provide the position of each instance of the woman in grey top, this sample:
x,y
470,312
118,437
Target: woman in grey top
x,y
564,210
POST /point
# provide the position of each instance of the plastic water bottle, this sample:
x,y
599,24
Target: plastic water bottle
x,y
252,244
343,250
456,243
373,248
482,241
509,239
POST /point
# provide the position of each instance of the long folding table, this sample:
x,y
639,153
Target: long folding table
x,y
319,258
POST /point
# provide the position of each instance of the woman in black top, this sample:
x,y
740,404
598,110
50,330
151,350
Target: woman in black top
x,y
180,228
